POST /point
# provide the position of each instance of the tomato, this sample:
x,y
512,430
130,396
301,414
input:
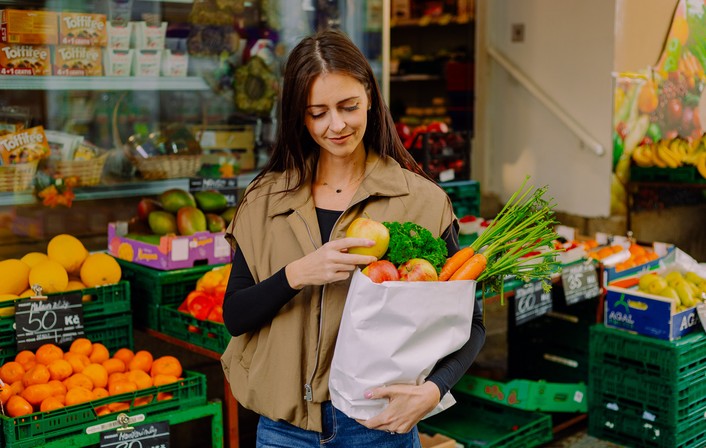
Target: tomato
x,y
216,314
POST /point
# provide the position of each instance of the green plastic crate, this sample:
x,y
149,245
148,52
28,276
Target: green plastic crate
x,y
631,431
464,195
37,429
475,422
683,174
654,401
151,288
677,362
527,395
203,333
114,331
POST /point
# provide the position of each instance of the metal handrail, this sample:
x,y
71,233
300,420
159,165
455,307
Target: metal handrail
x,y
586,139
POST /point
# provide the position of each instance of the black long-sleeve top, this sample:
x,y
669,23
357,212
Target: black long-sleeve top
x,y
248,305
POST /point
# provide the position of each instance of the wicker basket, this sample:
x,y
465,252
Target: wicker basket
x,y
168,167
88,172
17,177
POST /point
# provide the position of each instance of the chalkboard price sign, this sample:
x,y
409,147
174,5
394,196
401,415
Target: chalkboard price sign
x,y
151,435
57,319
580,282
531,301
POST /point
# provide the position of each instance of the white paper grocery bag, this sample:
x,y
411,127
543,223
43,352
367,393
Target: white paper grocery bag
x,y
394,333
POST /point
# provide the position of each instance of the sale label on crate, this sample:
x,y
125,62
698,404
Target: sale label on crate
x,y
151,435
531,301
580,282
57,319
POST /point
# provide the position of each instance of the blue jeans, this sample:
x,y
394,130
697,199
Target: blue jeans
x,y
339,431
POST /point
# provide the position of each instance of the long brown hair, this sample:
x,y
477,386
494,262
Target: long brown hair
x,y
328,51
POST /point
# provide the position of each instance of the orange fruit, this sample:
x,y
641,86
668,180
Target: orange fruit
x,y
50,403
119,406
125,355
167,365
113,365
17,387
60,369
26,358
11,371
102,410
99,353
604,252
68,251
100,392
100,269
141,401
6,392
121,387
48,353
50,275
81,346
39,374
78,395
17,406
36,393
142,361
15,276
116,376
78,380
57,387
78,362
97,374
161,379
164,396
140,378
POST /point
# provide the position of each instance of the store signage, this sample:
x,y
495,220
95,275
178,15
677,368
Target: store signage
x,y
151,435
57,319
531,302
580,282
226,186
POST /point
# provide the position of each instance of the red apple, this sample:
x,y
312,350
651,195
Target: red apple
x,y
417,270
381,270
372,230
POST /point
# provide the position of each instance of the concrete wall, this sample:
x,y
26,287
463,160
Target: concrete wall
x,y
568,53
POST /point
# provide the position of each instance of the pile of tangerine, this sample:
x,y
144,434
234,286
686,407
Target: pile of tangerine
x,y
50,378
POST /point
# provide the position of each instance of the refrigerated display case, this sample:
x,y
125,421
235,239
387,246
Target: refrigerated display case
x,y
134,97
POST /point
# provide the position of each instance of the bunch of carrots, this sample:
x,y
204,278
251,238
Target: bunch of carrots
x,y
510,244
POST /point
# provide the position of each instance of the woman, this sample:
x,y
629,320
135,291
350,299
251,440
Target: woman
x,y
336,157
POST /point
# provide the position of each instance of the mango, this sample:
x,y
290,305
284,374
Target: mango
x,y
211,201
673,278
174,199
657,285
685,294
215,223
694,278
645,281
229,214
161,222
190,220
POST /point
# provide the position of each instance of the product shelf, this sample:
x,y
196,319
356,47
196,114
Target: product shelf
x,y
106,83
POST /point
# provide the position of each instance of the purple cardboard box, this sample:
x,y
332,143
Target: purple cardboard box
x,y
171,252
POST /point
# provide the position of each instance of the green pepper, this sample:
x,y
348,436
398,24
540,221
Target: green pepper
x,y
654,132
618,147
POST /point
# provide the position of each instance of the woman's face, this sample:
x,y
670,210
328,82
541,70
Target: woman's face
x,y
337,113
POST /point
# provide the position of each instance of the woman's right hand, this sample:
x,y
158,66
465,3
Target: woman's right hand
x,y
329,263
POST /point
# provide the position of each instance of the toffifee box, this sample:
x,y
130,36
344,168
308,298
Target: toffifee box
x,y
23,146
28,27
82,29
74,60
25,60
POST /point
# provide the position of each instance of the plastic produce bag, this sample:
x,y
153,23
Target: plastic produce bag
x,y
394,333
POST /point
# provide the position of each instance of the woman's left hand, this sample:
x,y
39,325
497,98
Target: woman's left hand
x,y
408,404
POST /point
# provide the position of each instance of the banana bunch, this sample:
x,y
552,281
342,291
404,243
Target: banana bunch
x,y
672,154
684,290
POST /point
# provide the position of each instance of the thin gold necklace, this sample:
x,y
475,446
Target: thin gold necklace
x,y
340,189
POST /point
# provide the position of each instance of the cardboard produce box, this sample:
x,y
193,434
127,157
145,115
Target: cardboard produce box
x,y
169,251
436,441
